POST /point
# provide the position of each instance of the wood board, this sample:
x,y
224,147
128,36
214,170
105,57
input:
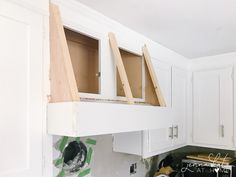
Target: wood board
x,y
121,68
62,79
156,86
213,159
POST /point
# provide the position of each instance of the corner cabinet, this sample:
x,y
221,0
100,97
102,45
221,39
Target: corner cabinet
x,y
148,143
213,107
21,114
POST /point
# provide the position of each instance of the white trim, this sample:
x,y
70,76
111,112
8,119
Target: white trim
x,y
213,62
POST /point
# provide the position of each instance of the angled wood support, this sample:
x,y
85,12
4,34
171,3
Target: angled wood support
x,y
121,68
158,93
62,78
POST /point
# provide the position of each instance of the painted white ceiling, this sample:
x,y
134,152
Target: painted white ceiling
x,y
192,28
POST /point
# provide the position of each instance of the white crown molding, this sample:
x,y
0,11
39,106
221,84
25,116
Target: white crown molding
x,y
213,62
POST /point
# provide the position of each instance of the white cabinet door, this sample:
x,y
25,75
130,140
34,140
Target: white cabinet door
x,y
179,105
213,107
20,91
159,139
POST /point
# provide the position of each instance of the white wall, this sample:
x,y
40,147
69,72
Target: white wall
x,y
106,163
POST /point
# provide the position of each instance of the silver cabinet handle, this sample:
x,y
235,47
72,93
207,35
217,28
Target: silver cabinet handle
x,y
222,129
171,132
176,128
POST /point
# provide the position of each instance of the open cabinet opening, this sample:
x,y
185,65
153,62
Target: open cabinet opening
x,y
133,64
134,78
150,97
84,54
139,79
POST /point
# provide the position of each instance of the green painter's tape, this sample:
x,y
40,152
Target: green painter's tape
x,y
63,143
91,141
58,161
89,156
84,173
61,174
78,139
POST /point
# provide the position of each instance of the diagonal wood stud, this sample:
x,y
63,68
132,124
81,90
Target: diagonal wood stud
x,y
151,71
62,78
121,69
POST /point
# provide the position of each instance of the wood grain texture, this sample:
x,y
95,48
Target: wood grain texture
x,y
62,78
85,61
150,94
153,77
121,68
212,158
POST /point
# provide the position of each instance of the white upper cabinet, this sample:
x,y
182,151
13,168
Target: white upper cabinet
x,y
21,93
213,107
173,83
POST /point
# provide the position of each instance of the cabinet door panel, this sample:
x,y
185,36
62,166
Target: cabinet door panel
x,y
21,92
213,107
159,139
206,107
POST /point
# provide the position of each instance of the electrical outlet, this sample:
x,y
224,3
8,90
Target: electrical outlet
x,y
133,169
